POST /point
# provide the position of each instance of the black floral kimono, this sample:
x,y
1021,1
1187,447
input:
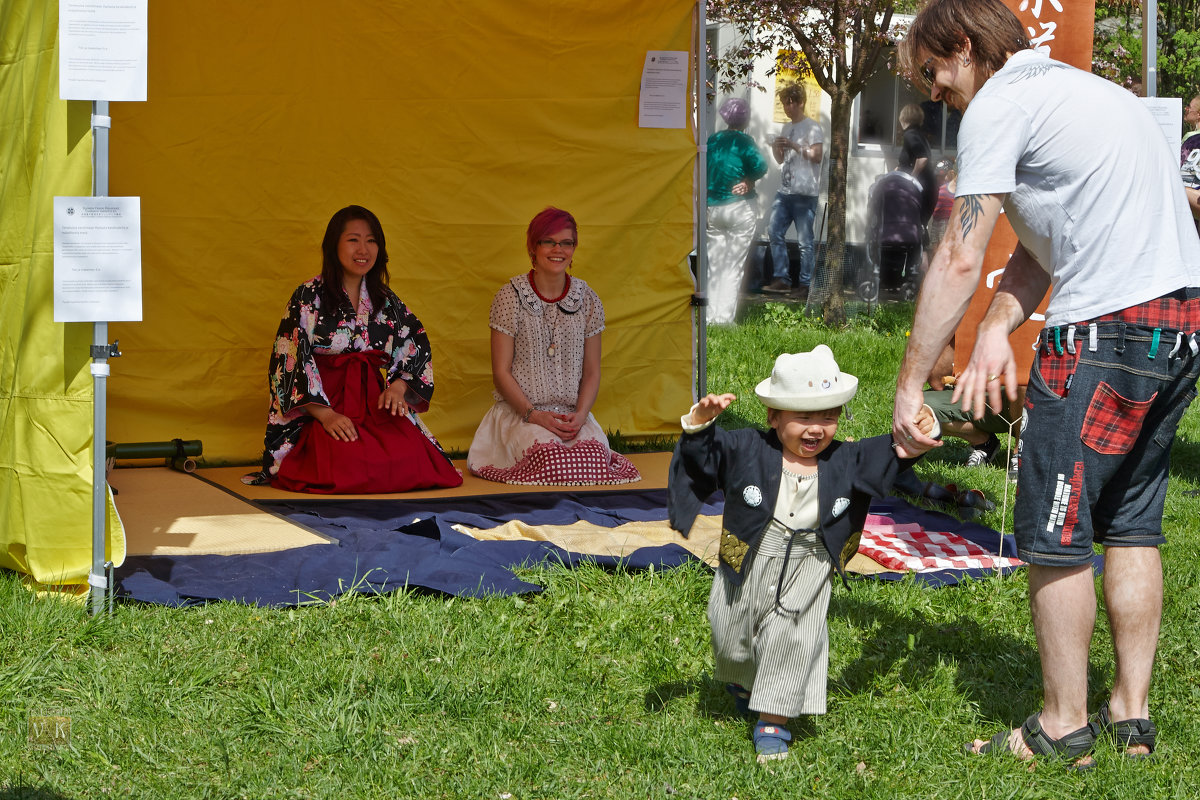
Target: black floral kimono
x,y
308,329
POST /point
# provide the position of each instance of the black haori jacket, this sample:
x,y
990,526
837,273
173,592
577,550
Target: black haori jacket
x,y
747,465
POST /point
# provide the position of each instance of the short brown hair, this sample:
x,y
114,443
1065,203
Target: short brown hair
x,y
944,26
793,92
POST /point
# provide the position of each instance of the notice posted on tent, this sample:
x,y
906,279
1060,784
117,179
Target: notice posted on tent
x,y
663,101
97,259
1168,113
102,49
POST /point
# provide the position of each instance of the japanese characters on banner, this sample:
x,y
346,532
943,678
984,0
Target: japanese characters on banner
x,y
1041,35
1062,29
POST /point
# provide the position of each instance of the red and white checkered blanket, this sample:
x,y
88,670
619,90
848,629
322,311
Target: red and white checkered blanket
x,y
910,547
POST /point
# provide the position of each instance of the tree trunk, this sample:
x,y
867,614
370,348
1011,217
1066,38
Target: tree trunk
x,y
827,285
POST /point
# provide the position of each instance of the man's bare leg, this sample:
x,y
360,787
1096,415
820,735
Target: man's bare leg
x,y
1133,595
1062,601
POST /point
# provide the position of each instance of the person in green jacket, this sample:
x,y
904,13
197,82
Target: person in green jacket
x,y
734,164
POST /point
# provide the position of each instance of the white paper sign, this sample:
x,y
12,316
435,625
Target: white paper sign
x,y
102,49
663,101
97,259
1168,113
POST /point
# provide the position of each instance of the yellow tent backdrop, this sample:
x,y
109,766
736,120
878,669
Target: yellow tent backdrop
x,y
454,121
45,384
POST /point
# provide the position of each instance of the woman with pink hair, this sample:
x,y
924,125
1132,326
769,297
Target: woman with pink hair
x,y
546,328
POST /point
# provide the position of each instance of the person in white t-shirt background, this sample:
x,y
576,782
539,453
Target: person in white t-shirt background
x,y
1101,217
799,149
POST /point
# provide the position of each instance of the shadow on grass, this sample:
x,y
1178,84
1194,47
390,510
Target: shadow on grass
x,y
1185,459
29,793
714,702
731,420
711,698
998,673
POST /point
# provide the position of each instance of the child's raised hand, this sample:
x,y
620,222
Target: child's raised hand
x,y
710,407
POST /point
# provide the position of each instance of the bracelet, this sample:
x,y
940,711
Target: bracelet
x,y
529,413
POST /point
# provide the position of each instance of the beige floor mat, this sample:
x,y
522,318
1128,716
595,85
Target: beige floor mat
x,y
166,512
584,537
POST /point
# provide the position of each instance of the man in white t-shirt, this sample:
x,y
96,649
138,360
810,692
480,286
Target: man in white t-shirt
x,y
799,148
1101,217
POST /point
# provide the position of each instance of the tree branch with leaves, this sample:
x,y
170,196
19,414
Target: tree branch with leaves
x,y
841,42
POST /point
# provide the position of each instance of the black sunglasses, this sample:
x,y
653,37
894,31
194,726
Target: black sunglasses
x,y
927,71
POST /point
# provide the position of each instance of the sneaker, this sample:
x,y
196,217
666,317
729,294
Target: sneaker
x,y
778,287
771,741
1012,467
982,455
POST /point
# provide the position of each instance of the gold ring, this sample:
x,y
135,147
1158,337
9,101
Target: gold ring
x,y
992,378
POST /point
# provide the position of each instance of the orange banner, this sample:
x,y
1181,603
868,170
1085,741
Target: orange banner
x,y
1062,29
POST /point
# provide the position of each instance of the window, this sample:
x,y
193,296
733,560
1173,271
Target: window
x,y
876,121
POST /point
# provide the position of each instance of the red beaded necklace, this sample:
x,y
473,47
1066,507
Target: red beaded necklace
x,y
545,299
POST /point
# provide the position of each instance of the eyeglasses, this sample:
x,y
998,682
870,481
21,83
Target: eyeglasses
x,y
927,71
550,244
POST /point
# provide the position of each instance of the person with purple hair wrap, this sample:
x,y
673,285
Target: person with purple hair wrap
x,y
734,164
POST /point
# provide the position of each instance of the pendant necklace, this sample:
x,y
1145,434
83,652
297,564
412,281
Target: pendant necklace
x,y
552,349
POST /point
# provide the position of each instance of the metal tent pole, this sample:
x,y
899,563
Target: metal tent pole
x,y
100,353
1150,48
700,299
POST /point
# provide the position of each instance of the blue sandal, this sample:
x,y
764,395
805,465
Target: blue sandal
x,y
741,697
771,741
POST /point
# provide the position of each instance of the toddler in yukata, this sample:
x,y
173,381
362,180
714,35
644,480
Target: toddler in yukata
x,y
795,503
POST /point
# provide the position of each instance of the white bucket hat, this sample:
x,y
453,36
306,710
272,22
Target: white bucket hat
x,y
808,381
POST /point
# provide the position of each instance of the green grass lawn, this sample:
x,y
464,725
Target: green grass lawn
x,y
600,687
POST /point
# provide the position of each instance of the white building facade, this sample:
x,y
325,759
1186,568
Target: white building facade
x,y
874,131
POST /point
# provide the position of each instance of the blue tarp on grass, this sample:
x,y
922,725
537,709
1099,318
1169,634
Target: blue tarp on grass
x,y
384,545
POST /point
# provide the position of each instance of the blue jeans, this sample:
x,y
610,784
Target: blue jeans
x,y
1095,452
800,209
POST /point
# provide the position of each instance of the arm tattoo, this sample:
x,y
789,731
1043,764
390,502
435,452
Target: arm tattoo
x,y
969,214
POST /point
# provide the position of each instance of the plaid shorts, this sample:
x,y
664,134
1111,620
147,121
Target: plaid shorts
x,y
1103,402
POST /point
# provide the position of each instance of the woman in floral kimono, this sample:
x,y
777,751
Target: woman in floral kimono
x,y
352,357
